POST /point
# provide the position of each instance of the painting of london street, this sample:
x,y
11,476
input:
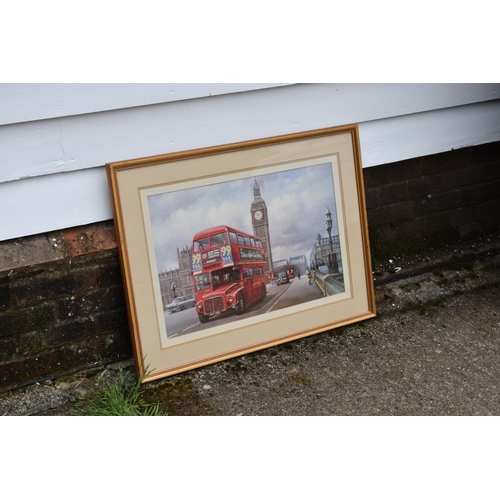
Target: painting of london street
x,y
275,245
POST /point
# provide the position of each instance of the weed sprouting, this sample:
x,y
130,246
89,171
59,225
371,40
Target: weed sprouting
x,y
120,397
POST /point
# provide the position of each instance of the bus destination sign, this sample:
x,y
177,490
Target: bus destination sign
x,y
210,257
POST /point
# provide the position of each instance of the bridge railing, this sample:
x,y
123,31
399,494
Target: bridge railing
x,y
329,284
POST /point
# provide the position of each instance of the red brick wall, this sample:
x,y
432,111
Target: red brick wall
x,y
65,309
61,294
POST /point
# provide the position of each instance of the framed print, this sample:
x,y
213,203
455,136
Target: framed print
x,y
231,249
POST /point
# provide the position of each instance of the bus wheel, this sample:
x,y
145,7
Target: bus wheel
x,y
203,318
264,292
240,306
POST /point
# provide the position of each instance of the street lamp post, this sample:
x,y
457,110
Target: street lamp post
x,y
328,224
316,257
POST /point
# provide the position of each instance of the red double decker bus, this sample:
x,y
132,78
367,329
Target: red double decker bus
x,y
228,271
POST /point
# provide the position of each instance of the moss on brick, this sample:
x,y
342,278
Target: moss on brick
x,y
409,246
25,320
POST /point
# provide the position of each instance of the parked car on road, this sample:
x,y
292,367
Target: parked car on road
x,y
179,304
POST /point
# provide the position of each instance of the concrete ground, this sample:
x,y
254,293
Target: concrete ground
x,y
433,349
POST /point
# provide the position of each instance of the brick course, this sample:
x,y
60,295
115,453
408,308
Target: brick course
x,y
61,316
457,191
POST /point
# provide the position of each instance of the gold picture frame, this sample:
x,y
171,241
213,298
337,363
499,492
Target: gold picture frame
x,y
289,256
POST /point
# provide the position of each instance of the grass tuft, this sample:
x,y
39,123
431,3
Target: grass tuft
x,y
120,397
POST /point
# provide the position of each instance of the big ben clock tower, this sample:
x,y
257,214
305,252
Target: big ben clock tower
x,y
260,224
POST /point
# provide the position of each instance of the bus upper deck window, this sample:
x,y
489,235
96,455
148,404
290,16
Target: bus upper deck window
x,y
200,244
233,238
218,239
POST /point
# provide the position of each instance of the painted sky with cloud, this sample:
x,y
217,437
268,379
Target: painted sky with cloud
x,y
296,201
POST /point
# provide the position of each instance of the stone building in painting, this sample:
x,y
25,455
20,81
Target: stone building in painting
x,y
177,282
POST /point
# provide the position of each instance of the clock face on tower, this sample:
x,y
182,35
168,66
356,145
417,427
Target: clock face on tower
x,y
258,215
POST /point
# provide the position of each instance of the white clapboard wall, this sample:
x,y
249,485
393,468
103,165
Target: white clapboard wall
x,y
56,138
